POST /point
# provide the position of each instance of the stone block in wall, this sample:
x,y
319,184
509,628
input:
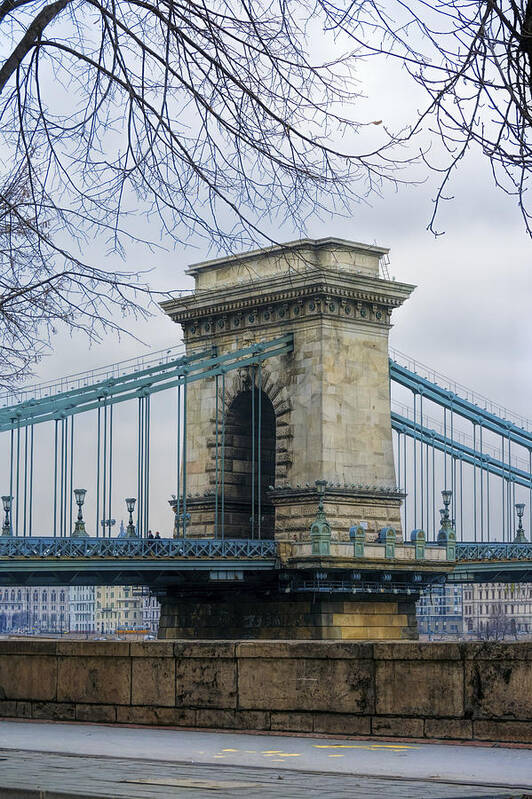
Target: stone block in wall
x,y
94,648
400,650
425,688
156,716
292,722
294,684
397,727
94,680
153,681
498,689
298,649
454,729
53,711
31,677
206,682
342,724
520,731
96,713
8,709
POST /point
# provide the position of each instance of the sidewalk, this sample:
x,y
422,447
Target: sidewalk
x,y
60,761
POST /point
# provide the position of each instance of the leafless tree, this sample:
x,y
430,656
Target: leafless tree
x,y
211,117
473,58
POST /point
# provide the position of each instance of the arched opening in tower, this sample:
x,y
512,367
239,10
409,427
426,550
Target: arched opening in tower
x,y
249,465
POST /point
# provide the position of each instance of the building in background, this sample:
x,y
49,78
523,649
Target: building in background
x,y
498,610
34,610
82,602
151,612
440,611
118,607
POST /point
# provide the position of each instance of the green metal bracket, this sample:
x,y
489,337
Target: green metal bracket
x,y
419,540
388,537
357,534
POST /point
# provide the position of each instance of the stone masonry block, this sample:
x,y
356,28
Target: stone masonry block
x,y
94,680
342,724
206,682
306,684
53,711
419,688
96,713
418,651
95,648
153,681
455,729
515,731
25,646
499,689
310,650
291,722
401,727
156,716
31,677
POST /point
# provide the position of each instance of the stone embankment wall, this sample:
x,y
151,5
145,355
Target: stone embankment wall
x,y
448,691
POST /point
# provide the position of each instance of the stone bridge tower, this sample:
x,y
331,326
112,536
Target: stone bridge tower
x,y
325,406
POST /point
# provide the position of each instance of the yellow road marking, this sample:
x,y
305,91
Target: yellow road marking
x,y
229,750
363,746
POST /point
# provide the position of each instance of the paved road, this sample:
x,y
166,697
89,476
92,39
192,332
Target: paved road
x,y
65,760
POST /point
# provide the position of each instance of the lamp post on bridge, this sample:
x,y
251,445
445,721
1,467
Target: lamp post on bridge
x,y
130,529
79,528
447,534
520,537
6,527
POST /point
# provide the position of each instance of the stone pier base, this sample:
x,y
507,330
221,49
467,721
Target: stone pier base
x,y
278,616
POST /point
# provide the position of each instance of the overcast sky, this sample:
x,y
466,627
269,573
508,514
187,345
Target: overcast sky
x,y
469,318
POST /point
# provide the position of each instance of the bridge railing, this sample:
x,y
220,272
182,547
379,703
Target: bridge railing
x,y
136,548
493,551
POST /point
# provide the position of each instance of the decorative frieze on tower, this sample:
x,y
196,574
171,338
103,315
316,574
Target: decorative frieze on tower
x,y
327,403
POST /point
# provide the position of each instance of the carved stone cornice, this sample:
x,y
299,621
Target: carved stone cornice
x,y
350,297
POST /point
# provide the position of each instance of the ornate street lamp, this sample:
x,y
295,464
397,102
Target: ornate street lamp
x,y
130,529
6,527
520,537
446,532
79,528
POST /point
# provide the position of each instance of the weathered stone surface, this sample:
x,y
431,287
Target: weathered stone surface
x,y
206,682
31,677
455,729
426,688
153,681
292,722
397,727
95,648
215,718
520,731
156,716
95,680
27,646
498,689
306,684
405,650
151,649
55,711
309,650
96,713
8,709
342,724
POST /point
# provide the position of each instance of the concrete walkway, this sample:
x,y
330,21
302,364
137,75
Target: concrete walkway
x,y
39,759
